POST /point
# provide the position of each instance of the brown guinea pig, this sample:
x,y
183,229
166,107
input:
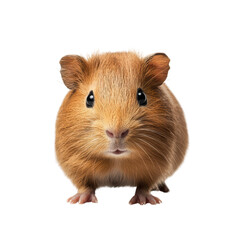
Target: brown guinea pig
x,y
119,125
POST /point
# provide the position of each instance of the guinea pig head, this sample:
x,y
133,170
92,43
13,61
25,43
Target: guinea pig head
x,y
114,106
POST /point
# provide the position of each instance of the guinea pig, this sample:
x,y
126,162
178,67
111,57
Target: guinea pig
x,y
119,125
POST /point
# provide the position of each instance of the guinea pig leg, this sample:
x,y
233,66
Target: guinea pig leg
x,y
83,196
143,196
163,187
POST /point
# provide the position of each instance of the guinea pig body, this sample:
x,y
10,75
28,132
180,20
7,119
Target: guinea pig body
x,y
119,125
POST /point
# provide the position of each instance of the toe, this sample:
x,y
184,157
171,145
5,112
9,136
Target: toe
x,y
157,200
94,199
142,199
85,197
151,200
74,199
134,200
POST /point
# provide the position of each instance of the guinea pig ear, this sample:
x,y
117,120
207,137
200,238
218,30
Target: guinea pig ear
x,y
156,70
73,70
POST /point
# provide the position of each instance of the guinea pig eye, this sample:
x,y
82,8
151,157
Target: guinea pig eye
x,y
141,97
90,100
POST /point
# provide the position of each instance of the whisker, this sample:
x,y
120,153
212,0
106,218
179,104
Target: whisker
x,y
153,147
150,130
144,161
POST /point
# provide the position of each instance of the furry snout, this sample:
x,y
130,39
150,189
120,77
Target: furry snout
x,y
117,143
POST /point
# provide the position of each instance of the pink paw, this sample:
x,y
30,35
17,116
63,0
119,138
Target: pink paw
x,y
83,198
144,198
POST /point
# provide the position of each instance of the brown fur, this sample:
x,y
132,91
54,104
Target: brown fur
x,y
157,135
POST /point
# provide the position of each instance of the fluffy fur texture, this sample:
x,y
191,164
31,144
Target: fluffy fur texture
x,y
157,138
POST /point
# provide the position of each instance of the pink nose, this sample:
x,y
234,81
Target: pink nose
x,y
120,134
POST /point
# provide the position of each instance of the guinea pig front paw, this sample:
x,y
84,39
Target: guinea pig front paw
x,y
83,197
142,198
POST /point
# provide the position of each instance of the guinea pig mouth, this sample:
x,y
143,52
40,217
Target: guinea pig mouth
x,y
117,152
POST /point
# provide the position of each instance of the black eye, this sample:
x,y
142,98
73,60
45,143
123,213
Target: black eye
x,y
141,97
90,100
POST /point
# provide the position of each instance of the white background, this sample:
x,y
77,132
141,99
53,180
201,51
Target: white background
x,y
202,40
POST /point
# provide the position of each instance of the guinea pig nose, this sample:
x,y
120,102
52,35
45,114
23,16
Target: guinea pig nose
x,y
122,134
